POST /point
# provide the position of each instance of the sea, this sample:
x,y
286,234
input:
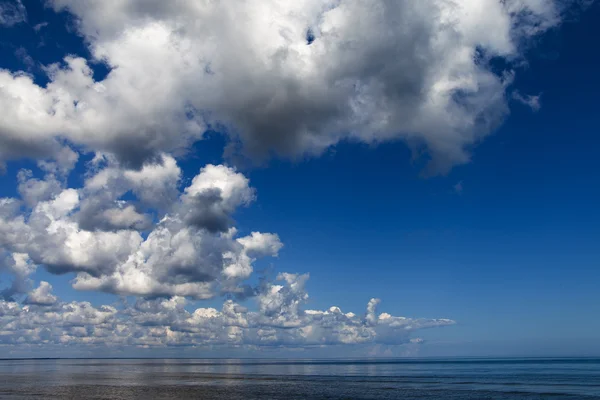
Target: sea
x,y
457,378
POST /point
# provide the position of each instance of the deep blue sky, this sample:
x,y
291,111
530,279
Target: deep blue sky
x,y
513,257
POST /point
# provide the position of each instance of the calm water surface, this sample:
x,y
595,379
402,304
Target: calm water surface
x,y
299,379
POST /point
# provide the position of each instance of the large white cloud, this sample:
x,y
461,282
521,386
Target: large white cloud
x,y
290,77
189,248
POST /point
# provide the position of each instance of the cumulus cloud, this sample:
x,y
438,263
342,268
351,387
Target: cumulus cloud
x,y
33,190
184,255
41,296
20,267
50,236
154,185
279,321
213,196
190,249
289,78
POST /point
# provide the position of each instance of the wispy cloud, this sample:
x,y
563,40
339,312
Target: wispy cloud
x,y
25,58
531,101
12,13
40,26
458,187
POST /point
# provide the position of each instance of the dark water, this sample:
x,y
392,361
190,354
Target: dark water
x,y
300,379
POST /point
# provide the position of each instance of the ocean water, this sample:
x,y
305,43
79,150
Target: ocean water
x,y
300,379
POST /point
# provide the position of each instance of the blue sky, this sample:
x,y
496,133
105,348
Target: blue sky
x,y
504,244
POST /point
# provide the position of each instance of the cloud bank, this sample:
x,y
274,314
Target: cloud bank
x,y
278,322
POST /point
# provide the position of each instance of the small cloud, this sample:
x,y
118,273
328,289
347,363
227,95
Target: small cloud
x,y
42,295
12,13
532,102
25,58
458,188
40,26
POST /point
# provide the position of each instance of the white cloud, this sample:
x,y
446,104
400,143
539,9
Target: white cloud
x,y
20,267
42,295
261,244
154,185
180,258
96,234
167,322
213,196
375,71
531,101
34,190
40,26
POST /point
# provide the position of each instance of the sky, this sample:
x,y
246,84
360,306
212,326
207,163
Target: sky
x,y
328,178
